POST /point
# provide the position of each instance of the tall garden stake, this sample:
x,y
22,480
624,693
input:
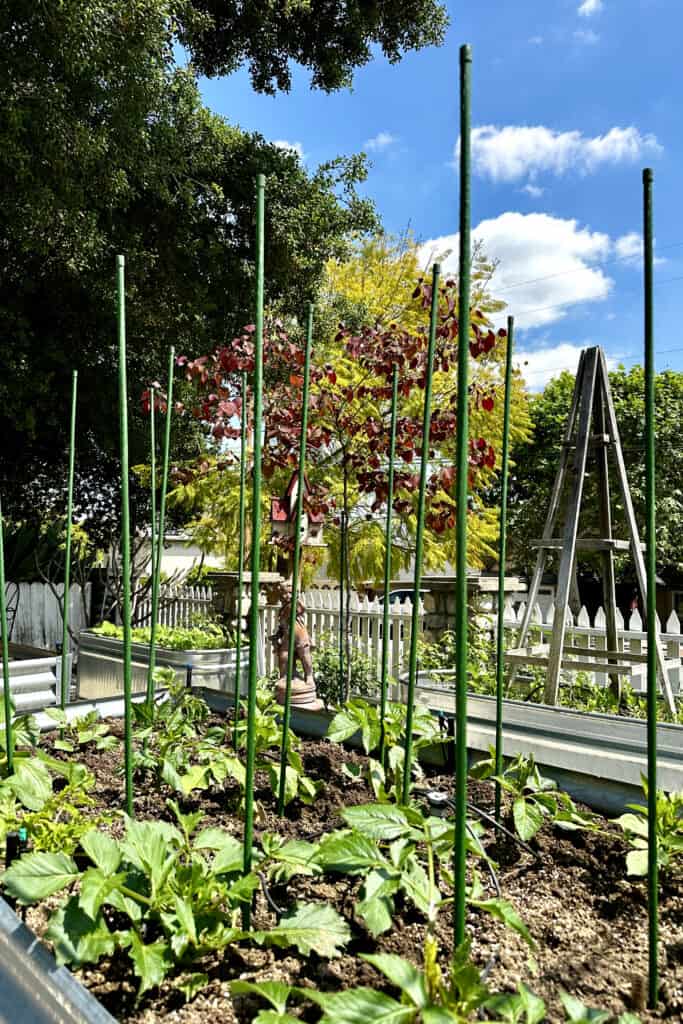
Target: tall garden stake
x,y
342,583
419,534
153,496
387,565
6,697
240,555
502,555
256,536
651,568
156,580
125,535
295,565
461,469
64,676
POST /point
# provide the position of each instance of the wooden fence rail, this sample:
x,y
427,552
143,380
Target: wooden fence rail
x,y
581,632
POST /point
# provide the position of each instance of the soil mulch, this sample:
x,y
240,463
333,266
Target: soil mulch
x,y
588,920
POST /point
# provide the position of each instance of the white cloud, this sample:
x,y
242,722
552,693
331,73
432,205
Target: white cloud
x,y
532,190
586,36
514,152
380,142
296,147
540,365
629,247
589,8
544,264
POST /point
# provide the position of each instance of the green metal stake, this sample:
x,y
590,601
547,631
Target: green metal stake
x,y
256,537
342,578
240,557
159,547
64,678
7,700
387,565
153,493
284,752
502,556
125,535
419,535
651,570
461,468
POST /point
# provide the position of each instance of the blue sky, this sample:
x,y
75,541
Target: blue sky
x,y
572,98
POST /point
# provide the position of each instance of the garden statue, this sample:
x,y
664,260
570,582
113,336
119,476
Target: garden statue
x,y
303,690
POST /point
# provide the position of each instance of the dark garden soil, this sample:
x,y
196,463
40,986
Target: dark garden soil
x,y
589,921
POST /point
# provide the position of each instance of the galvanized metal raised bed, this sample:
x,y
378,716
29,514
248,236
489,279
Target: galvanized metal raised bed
x,y
34,677
100,666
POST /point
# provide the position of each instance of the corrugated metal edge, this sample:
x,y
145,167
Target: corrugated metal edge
x,y
33,989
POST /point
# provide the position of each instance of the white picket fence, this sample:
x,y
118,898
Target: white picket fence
x,y
581,632
34,613
178,606
365,627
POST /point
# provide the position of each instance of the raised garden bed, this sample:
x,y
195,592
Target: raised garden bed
x,y
100,666
587,918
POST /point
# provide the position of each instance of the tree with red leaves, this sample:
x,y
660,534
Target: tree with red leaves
x,y
348,431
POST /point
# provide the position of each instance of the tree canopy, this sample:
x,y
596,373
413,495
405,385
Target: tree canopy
x,y
536,461
349,412
106,147
328,37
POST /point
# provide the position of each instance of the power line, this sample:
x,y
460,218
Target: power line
x,y
579,270
579,301
572,369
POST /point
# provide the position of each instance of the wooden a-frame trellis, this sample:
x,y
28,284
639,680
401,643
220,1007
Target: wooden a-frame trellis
x,y
592,407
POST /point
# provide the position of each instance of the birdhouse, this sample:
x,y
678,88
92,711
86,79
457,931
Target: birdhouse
x,y
283,514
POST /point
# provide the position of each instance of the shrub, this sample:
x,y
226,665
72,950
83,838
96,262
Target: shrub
x,y
363,673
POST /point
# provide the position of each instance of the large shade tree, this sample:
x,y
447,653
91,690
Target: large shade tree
x,y
106,147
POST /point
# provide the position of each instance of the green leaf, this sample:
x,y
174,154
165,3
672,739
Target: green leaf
x,y
349,853
506,913
377,913
633,823
295,857
37,875
344,724
415,884
311,926
25,731
151,963
361,1006
437,1015
578,1013
31,783
78,938
528,818
274,992
191,984
378,821
291,781
186,920
125,904
95,888
102,850
402,974
636,862
229,858
148,845
212,839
